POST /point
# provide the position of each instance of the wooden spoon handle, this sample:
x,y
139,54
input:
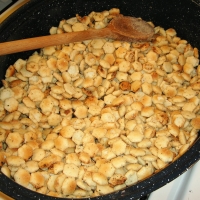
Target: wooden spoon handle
x,y
52,40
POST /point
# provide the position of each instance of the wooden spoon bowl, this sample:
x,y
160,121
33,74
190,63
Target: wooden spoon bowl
x,y
131,29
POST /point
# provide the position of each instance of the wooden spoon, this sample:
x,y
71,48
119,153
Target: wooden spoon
x,y
121,27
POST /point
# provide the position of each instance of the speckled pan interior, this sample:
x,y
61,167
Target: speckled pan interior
x,y
35,19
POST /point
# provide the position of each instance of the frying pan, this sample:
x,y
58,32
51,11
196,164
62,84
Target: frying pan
x,y
36,17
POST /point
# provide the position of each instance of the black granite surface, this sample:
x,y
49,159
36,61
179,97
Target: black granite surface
x,y
36,17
